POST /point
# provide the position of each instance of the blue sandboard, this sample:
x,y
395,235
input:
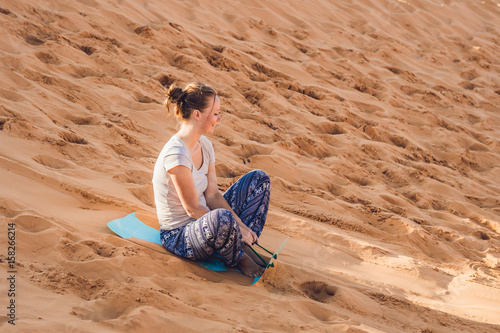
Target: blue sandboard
x,y
130,226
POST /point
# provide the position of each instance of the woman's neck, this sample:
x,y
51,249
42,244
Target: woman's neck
x,y
189,135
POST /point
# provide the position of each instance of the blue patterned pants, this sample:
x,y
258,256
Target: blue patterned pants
x,y
217,232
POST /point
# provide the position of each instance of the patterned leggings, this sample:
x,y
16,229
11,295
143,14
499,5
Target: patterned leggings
x,y
217,232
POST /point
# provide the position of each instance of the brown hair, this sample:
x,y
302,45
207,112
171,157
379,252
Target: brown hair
x,y
195,96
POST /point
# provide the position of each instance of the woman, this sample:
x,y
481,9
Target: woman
x,y
196,220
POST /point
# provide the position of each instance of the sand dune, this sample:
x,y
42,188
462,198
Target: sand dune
x,y
378,122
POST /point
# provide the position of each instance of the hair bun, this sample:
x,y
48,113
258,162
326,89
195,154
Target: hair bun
x,y
175,94
195,96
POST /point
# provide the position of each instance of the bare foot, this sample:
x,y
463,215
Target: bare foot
x,y
249,267
254,257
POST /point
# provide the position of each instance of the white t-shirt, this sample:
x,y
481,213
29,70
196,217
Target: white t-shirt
x,y
171,213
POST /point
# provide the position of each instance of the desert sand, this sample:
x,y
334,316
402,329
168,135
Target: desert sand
x,y
378,122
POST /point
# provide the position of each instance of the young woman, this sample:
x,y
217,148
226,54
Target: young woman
x,y
196,220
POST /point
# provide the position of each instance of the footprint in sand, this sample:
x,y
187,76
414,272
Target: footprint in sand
x,y
72,138
54,163
217,60
32,223
87,250
330,127
85,120
48,58
102,310
311,147
318,291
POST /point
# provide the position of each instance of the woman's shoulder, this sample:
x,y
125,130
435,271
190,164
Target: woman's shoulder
x,y
174,140
175,145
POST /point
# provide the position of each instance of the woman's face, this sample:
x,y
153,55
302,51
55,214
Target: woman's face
x,y
212,116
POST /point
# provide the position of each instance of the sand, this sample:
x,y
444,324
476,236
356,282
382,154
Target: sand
x,y
377,121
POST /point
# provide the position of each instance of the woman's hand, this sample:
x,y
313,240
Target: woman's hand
x,y
249,237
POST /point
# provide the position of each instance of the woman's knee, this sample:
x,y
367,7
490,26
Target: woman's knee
x,y
223,221
223,215
263,177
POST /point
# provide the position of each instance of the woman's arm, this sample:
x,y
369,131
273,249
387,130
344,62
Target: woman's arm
x,y
183,181
215,200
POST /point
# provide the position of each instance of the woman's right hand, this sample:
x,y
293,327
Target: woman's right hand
x,y
249,237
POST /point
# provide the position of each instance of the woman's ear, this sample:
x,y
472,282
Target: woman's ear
x,y
197,114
